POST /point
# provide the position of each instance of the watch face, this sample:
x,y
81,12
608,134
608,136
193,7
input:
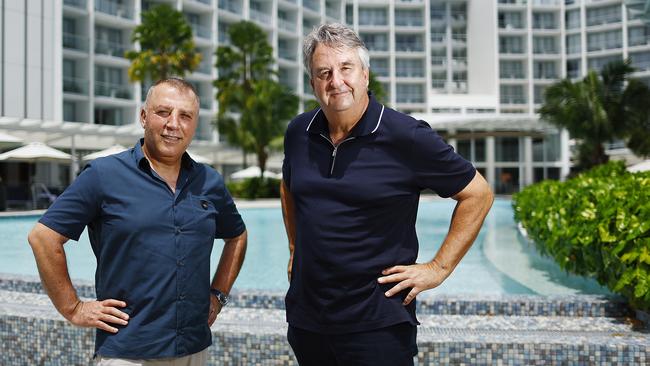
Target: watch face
x,y
221,297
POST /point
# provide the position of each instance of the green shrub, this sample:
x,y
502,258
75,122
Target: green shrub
x,y
596,224
252,188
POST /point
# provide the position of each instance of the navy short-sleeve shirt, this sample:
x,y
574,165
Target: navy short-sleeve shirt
x,y
152,247
355,211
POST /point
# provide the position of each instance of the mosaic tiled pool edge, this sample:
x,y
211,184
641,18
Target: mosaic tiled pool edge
x,y
515,305
32,333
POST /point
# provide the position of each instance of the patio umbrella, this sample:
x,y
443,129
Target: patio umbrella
x,y
251,172
36,152
643,166
115,149
8,140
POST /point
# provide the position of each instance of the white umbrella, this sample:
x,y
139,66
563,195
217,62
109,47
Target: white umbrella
x,y
34,152
115,149
251,172
199,158
8,140
643,166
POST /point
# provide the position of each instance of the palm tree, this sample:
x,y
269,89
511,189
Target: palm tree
x,y
598,109
167,46
246,88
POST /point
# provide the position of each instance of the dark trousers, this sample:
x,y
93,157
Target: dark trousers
x,y
394,346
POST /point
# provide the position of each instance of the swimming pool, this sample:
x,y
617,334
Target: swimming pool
x,y
500,262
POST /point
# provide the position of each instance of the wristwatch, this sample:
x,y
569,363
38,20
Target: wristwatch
x,y
221,297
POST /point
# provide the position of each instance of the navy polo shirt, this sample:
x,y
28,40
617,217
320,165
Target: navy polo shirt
x,y
152,247
355,211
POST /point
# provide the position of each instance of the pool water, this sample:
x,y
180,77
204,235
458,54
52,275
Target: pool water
x,y
499,262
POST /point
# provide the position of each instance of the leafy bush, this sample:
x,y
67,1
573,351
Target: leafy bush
x,y
253,188
596,224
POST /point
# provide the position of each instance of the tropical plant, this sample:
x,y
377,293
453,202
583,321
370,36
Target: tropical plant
x,y
601,108
253,107
166,46
596,224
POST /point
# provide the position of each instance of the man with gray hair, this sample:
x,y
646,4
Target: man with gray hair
x,y
352,176
152,215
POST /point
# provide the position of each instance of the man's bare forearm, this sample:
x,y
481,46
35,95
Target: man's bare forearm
x,y
47,246
232,258
471,209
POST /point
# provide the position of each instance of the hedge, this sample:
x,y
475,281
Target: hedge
x,y
596,224
253,188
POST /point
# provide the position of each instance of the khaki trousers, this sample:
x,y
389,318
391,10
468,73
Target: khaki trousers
x,y
196,359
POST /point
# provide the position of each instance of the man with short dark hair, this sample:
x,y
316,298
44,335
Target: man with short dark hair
x,y
152,215
352,176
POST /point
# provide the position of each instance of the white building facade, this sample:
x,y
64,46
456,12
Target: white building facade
x,y
475,69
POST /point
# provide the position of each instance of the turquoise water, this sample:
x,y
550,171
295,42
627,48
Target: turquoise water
x,y
500,262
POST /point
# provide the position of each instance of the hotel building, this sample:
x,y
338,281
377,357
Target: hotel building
x,y
475,69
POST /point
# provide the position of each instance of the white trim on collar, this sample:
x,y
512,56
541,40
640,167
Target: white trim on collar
x,y
379,120
312,119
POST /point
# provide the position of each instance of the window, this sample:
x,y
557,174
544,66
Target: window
x,y
544,20
510,20
573,68
639,35
410,93
349,14
597,63
544,45
640,61
511,44
544,70
410,18
506,149
512,94
572,19
373,16
604,40
511,69
605,15
379,66
69,111
538,92
375,41
409,42
409,67
573,43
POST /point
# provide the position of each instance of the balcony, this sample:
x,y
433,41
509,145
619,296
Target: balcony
x,y
74,85
459,38
113,8
410,98
204,68
76,3
287,54
260,17
410,72
115,49
287,25
438,83
112,90
638,40
409,46
230,6
201,31
513,99
75,42
377,46
313,5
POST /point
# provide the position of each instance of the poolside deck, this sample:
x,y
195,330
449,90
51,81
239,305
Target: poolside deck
x,y
493,330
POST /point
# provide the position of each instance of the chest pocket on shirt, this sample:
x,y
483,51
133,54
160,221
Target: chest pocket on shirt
x,y
203,216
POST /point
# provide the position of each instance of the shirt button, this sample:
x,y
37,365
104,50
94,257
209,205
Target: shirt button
x,y
180,332
181,297
178,230
180,263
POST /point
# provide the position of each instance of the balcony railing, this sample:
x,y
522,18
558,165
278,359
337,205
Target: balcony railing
x,y
75,42
380,71
438,60
513,99
113,8
409,47
377,46
410,98
109,48
511,75
75,85
638,40
113,90
75,3
412,72
438,37
438,83
230,6
408,21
